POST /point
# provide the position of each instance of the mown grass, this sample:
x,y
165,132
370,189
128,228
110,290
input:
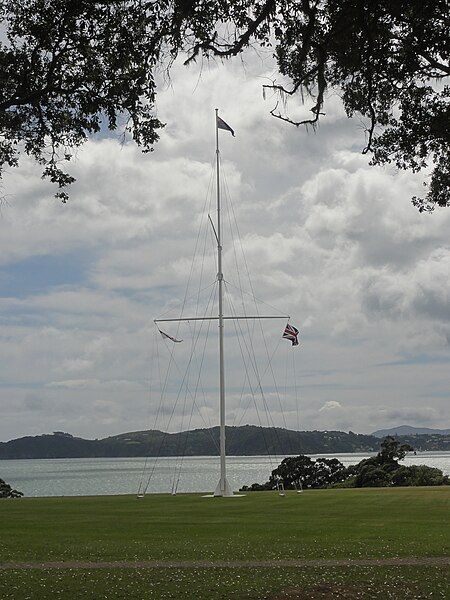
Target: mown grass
x,y
365,583
316,524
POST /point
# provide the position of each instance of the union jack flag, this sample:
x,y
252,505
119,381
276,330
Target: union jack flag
x,y
291,333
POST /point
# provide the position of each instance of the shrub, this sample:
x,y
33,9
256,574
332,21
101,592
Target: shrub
x,y
373,476
419,475
6,491
255,487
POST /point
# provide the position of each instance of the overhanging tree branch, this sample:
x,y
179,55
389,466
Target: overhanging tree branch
x,y
243,41
65,66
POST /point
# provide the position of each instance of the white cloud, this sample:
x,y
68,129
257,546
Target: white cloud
x,y
93,384
328,239
330,405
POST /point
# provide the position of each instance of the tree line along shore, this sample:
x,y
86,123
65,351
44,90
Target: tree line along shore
x,y
247,440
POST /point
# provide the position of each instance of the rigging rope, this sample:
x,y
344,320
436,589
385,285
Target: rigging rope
x,y
252,360
185,299
150,387
193,404
182,385
228,197
245,333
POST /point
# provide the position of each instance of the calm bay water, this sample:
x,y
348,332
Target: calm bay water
x,y
109,476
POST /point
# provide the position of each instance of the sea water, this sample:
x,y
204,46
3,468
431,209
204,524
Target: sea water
x,y
100,476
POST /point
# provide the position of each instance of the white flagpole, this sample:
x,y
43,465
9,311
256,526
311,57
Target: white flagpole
x,y
223,487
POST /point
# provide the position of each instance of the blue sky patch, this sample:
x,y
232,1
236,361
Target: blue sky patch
x,y
38,274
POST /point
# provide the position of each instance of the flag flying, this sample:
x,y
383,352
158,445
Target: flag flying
x,y
222,125
291,333
168,337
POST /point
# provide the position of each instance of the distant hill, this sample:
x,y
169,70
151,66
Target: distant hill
x,y
248,440
408,430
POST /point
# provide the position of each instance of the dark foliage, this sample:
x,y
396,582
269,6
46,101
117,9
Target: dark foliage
x,y
302,471
382,470
419,475
370,475
248,440
6,491
297,472
381,476
70,67
392,450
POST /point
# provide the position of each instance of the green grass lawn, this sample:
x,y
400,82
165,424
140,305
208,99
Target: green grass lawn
x,y
316,524
347,523
367,583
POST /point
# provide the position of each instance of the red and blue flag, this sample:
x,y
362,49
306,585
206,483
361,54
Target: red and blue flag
x,y
291,333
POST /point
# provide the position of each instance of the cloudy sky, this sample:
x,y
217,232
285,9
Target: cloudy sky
x,y
329,240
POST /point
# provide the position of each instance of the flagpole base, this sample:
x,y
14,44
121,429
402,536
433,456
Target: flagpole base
x,y
223,489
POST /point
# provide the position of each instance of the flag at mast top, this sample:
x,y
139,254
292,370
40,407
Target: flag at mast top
x,y
222,125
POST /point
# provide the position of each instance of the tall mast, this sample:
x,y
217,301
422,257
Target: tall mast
x,y
223,487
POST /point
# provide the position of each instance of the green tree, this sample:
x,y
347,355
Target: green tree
x,y
419,475
293,472
296,472
371,475
6,491
68,67
378,470
384,469
327,471
392,450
